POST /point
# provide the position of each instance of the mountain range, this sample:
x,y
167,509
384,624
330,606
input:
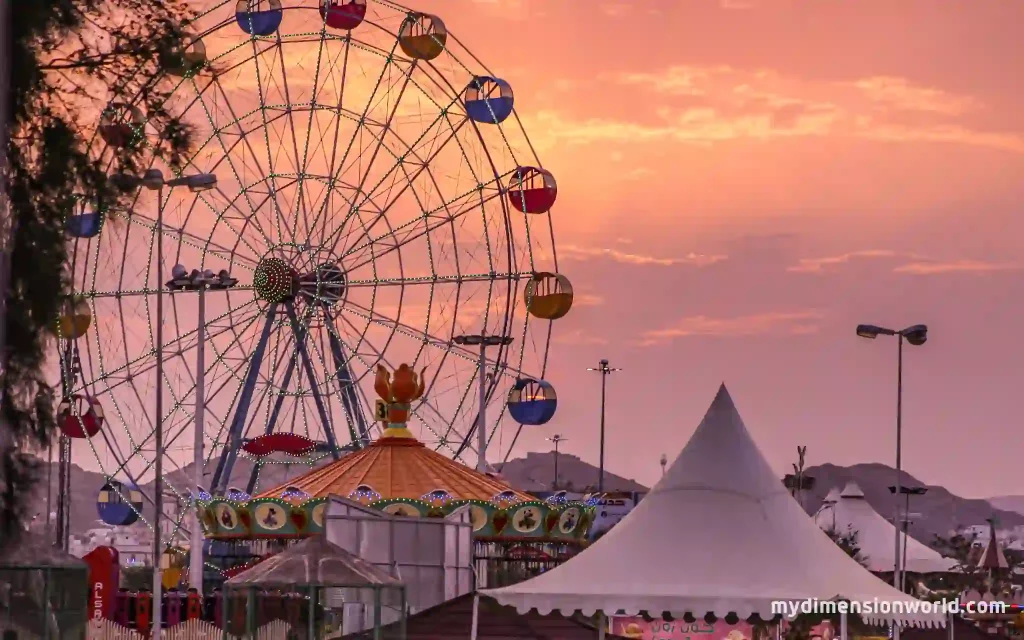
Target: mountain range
x,y
938,512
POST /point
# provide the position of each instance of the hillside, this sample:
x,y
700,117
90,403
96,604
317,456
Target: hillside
x,y
940,511
86,484
536,472
1008,503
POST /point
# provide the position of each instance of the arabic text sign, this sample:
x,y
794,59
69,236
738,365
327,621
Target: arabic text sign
x,y
640,629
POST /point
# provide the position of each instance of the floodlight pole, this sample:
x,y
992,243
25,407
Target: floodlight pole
x,y
916,335
158,487
557,439
604,370
195,556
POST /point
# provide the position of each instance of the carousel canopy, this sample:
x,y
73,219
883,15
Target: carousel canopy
x,y
397,465
718,534
876,535
315,561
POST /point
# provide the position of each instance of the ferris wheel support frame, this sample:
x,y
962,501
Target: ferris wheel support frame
x,y
234,438
350,402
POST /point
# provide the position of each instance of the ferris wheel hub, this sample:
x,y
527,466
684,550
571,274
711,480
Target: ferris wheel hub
x,y
300,271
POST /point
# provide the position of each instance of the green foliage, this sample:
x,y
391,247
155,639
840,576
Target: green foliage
x,y
847,541
136,578
69,59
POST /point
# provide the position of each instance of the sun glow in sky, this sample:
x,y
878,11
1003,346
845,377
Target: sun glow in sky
x,y
742,182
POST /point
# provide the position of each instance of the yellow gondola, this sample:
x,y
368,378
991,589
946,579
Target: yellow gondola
x,y
548,295
422,36
76,319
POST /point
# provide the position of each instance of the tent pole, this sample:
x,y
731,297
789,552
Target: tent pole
x,y
843,632
476,617
602,622
949,623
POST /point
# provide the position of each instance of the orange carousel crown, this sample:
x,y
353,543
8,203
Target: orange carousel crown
x,y
398,393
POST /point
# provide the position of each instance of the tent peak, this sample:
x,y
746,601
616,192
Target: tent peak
x,y
852,491
723,401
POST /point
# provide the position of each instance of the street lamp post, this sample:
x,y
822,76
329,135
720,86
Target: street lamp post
x,y
906,491
483,341
605,371
198,281
916,335
154,180
663,462
557,439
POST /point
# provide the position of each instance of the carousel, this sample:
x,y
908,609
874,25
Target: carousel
x,y
515,534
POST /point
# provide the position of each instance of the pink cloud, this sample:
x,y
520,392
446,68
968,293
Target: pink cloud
x,y
769,323
575,252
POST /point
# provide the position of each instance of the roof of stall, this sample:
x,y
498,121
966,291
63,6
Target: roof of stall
x,y
317,561
454,619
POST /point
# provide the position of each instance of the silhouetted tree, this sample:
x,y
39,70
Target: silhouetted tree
x,y
68,60
847,541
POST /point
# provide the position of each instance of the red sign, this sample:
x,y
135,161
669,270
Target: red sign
x,y
104,579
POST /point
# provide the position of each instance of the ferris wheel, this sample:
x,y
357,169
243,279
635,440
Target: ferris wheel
x,y
360,192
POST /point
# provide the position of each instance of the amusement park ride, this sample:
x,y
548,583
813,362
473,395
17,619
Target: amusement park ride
x,y
374,192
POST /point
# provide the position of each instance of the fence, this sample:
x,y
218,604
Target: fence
x,y
103,629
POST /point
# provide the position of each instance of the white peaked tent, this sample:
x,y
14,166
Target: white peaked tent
x,y
876,535
718,534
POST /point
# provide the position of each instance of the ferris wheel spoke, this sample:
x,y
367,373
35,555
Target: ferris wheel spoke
x,y
427,230
437,279
243,135
262,95
294,134
186,237
227,156
127,367
422,165
388,62
138,447
425,337
313,101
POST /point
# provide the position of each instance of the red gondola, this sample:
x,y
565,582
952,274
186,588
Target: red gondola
x,y
532,190
343,14
80,416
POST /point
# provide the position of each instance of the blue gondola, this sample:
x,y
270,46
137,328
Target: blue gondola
x,y
84,225
488,100
259,17
119,504
532,402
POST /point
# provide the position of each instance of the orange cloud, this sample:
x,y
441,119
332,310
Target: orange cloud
x,y
921,265
817,265
925,268
722,103
574,252
771,323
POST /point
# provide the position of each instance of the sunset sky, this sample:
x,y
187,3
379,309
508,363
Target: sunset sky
x,y
742,182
